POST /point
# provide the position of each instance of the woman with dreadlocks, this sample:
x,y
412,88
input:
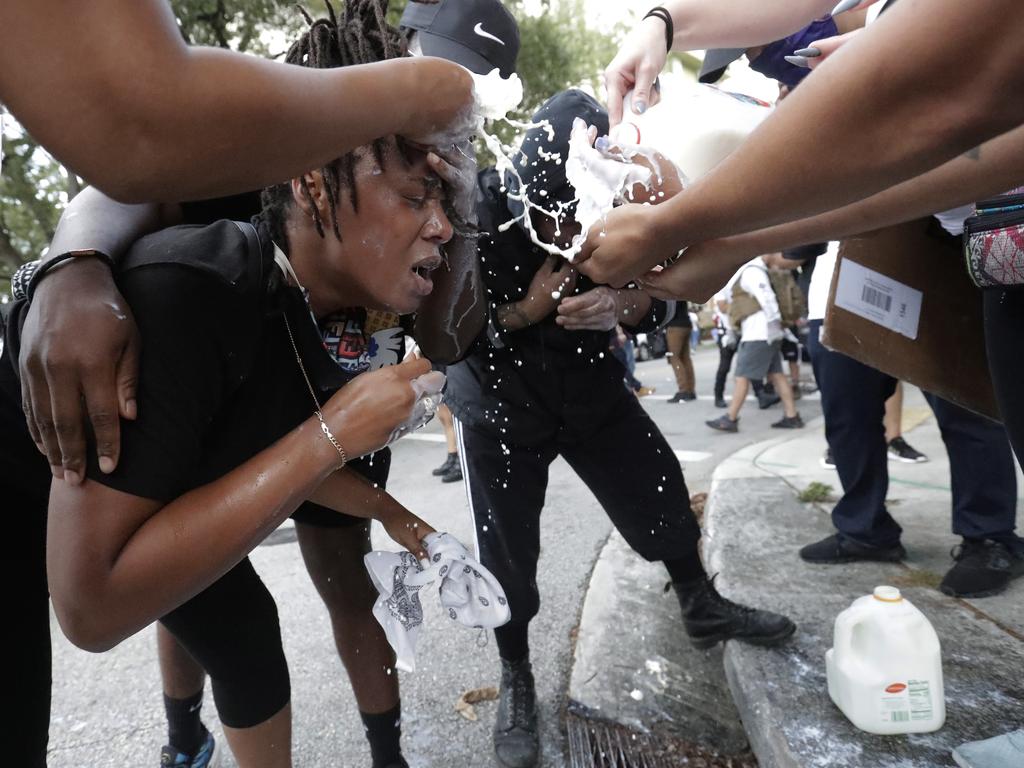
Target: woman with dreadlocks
x,y
223,447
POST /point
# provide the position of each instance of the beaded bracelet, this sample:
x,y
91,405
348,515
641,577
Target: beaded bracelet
x,y
661,13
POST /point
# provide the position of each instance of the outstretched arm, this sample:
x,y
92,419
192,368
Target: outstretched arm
x,y
117,561
699,24
112,90
996,166
889,105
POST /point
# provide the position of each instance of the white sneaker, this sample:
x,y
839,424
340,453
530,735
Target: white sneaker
x,y
998,752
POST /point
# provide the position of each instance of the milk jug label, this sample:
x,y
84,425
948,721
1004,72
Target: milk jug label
x,y
906,702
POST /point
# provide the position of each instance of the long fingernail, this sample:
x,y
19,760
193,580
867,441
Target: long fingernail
x,y
106,464
71,477
810,53
639,107
602,144
843,6
798,61
131,409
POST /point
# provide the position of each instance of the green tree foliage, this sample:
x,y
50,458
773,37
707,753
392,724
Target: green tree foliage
x,y
558,51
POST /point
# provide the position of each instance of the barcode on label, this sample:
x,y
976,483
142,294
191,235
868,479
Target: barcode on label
x,y
876,298
900,717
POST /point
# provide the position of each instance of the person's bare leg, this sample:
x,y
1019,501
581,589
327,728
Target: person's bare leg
x,y
785,392
894,414
181,674
267,745
334,559
445,417
740,387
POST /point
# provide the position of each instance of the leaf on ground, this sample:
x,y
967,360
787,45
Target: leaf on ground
x,y
464,706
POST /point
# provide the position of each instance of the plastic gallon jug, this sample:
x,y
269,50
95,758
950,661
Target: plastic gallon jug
x,y
885,668
695,126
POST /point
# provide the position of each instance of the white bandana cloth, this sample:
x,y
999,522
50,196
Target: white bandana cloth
x,y
469,592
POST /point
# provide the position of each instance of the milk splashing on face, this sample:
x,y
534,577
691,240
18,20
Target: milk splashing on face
x,y
599,180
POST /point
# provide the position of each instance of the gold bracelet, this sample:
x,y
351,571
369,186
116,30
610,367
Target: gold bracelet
x,y
331,438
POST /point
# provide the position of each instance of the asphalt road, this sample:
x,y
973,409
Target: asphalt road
x,y
107,709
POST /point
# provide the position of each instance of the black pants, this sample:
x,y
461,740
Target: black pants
x,y
626,463
1004,323
982,476
725,356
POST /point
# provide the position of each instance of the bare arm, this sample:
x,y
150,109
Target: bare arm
x,y
64,380
699,24
349,492
136,112
996,166
117,562
889,105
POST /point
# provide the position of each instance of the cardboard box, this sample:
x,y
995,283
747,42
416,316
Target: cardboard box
x,y
901,302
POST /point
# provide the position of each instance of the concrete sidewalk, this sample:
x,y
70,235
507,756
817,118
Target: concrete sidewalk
x,y
753,528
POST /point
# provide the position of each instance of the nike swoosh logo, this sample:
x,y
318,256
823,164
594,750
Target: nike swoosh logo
x,y
479,29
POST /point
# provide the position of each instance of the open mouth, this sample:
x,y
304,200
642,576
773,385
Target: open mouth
x,y
424,267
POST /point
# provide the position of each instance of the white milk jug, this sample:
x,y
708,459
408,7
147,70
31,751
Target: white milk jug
x,y
695,126
885,667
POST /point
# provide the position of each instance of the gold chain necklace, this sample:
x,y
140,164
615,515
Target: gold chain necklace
x,y
316,403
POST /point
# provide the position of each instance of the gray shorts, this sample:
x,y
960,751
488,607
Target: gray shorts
x,y
756,359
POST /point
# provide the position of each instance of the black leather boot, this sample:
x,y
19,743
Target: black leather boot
x,y
515,728
709,618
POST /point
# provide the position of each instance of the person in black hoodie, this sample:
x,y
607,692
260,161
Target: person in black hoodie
x,y
540,384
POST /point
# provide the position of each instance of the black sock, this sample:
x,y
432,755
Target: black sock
x,y
185,731
384,732
513,641
685,569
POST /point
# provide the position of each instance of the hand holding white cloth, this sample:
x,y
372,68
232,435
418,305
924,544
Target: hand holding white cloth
x,y
469,592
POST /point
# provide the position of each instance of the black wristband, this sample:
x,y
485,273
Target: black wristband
x,y
660,13
46,266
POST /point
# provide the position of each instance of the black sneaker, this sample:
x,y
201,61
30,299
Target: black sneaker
x,y
515,728
204,757
720,402
724,424
453,475
399,763
900,450
789,422
828,461
835,549
765,400
444,469
678,397
983,569
710,618
689,396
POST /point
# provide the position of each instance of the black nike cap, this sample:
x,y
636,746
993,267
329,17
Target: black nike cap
x,y
481,35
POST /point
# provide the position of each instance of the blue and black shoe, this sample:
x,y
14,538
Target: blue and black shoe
x,y
205,756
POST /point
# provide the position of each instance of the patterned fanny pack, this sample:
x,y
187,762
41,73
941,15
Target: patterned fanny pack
x,y
994,242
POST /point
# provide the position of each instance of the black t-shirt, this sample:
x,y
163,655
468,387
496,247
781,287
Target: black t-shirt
x,y
218,380
542,381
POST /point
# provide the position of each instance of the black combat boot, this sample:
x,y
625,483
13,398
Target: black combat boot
x,y
515,728
710,618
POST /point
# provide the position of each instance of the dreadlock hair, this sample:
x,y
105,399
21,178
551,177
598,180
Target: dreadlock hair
x,y
362,36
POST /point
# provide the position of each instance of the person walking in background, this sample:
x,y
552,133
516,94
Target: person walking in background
x,y
677,336
755,307
451,470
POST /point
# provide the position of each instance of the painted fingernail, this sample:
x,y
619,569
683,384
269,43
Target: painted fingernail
x,y
639,107
798,61
602,144
106,464
843,6
810,53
